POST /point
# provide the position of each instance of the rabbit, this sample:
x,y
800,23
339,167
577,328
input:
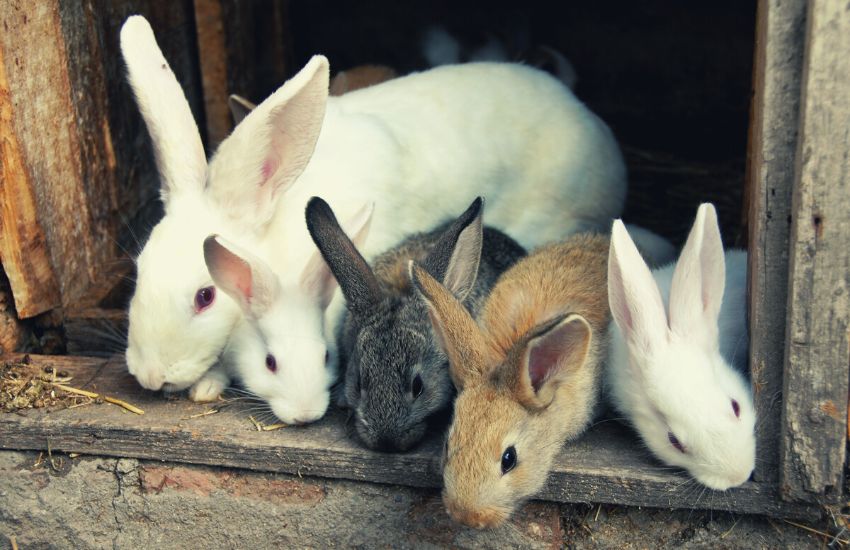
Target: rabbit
x,y
355,78
439,47
677,351
361,76
278,350
396,375
528,373
417,145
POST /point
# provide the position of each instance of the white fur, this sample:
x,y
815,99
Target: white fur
x,y
678,347
418,146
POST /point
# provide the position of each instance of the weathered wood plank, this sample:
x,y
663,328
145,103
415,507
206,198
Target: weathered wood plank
x,y
770,179
23,245
78,166
607,465
241,48
818,342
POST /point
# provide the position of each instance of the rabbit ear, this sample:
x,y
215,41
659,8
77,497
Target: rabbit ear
x,y
239,107
456,331
696,291
551,355
244,277
317,278
457,254
633,296
269,149
175,137
358,283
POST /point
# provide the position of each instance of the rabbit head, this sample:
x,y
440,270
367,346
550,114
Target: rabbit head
x,y
280,353
502,442
396,375
692,409
178,323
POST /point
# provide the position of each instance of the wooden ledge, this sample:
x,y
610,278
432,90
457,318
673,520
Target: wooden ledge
x,y
606,465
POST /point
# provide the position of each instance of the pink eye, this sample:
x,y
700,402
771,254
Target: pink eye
x,y
675,442
271,363
204,298
737,408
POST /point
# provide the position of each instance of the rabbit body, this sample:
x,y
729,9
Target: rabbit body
x,y
528,373
678,354
396,374
418,146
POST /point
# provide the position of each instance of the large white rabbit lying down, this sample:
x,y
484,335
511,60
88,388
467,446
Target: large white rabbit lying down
x,y
419,147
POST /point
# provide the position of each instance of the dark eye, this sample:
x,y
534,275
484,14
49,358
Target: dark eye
x,y
737,408
271,363
204,298
508,460
416,387
327,357
675,442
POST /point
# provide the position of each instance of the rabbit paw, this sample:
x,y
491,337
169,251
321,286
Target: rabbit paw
x,y
206,389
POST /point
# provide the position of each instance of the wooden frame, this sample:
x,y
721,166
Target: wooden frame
x,y
796,202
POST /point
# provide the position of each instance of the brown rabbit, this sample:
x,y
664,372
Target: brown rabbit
x,y
528,373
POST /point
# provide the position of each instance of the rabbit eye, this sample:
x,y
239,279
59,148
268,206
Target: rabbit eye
x,y
508,460
417,386
204,298
271,363
675,442
736,408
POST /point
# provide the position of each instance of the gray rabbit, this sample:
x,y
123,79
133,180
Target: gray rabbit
x,y
396,373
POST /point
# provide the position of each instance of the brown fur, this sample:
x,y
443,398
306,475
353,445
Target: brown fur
x,y
359,77
497,407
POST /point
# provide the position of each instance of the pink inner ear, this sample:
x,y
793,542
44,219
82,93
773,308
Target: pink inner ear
x,y
541,362
269,168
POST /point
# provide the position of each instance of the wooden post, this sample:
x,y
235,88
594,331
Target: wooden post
x,y
75,162
770,170
814,421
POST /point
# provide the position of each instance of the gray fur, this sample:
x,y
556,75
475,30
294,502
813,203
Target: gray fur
x,y
386,343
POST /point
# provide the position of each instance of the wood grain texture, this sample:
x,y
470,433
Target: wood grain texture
x,y
23,245
770,180
242,51
78,167
606,465
818,342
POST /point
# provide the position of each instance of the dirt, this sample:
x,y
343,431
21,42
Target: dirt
x,y
25,386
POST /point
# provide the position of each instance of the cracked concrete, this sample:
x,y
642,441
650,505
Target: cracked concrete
x,y
92,502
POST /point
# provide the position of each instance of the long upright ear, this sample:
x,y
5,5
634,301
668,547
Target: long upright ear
x,y
239,107
244,277
455,257
551,355
633,296
269,149
317,277
176,141
456,331
699,279
358,283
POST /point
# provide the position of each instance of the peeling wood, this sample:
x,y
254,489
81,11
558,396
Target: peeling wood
x,y
817,350
770,180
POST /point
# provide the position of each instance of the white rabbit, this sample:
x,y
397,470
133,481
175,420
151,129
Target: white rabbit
x,y
420,146
279,350
676,374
